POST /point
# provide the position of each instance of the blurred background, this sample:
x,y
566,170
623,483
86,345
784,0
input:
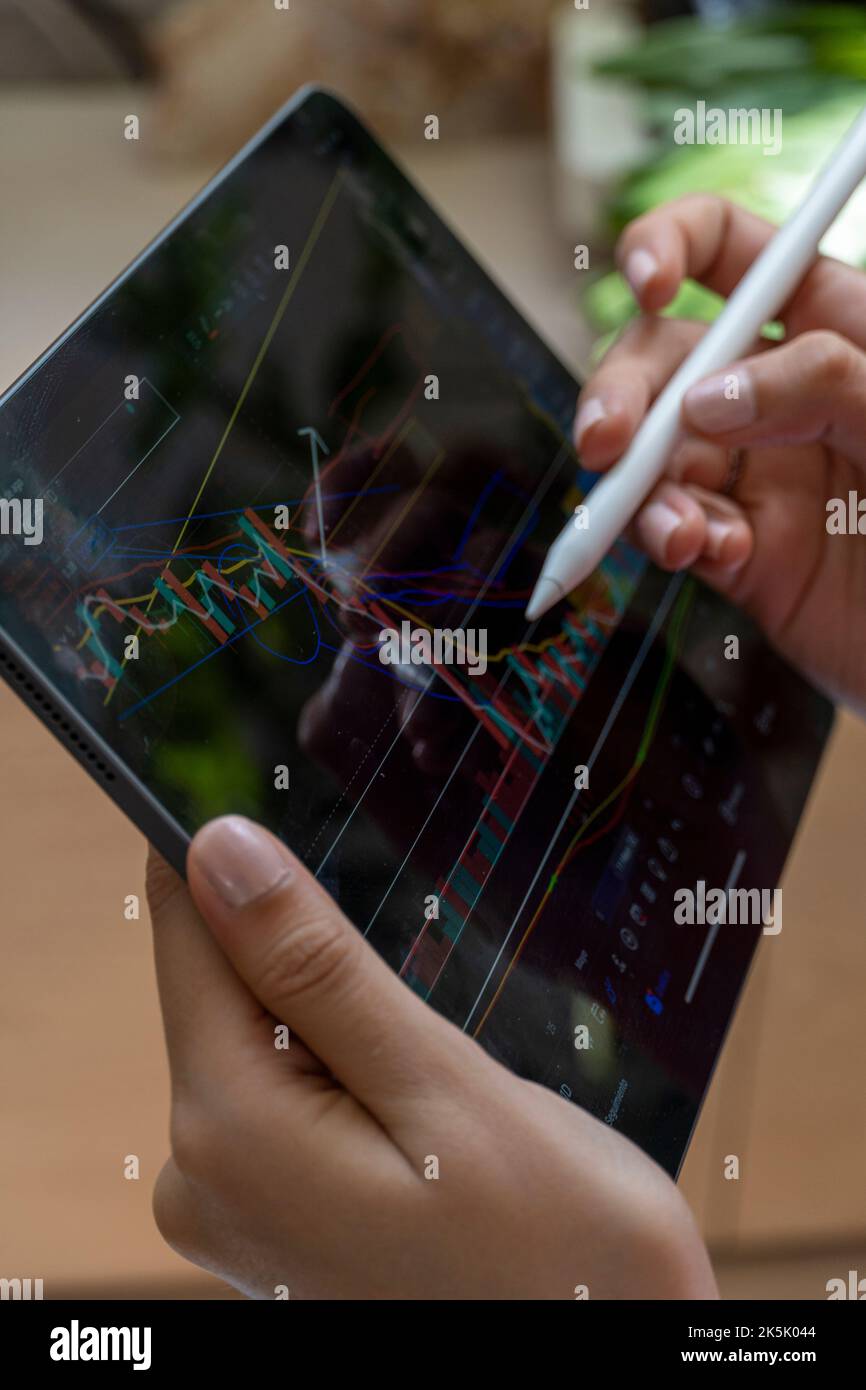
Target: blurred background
x,y
556,127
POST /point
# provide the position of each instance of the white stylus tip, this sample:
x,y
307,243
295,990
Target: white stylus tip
x,y
545,594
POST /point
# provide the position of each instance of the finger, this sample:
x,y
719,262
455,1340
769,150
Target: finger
x,y
671,527
701,462
726,560
712,240
701,236
616,397
811,389
722,538
207,1010
313,970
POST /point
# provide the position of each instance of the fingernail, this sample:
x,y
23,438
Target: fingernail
x,y
589,414
658,524
716,538
722,403
639,269
240,860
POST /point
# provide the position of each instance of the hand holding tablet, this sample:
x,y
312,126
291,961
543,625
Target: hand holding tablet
x,y
341,425
757,299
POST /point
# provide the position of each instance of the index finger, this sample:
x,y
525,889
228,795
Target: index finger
x,y
714,241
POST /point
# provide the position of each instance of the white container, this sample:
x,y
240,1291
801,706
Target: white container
x,y
597,125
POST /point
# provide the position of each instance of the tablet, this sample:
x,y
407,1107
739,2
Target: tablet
x,y
271,513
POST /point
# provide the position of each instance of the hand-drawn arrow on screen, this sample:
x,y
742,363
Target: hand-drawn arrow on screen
x,y
317,443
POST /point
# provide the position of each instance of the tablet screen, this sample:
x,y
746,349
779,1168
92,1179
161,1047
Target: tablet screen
x,y
298,473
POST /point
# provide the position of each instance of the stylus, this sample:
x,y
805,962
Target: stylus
x,y
757,300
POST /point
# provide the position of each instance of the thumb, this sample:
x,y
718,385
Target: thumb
x,y
312,969
809,390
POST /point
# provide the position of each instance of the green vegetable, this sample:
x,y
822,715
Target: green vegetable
x,y
809,62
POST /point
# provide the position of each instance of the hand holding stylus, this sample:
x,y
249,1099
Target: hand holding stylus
x,y
799,422
310,1170
761,292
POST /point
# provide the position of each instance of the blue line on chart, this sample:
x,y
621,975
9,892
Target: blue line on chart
x,y
237,604
261,507
497,480
301,593
391,675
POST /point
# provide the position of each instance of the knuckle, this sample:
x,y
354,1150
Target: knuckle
x,y
634,340
162,884
710,206
634,336
315,956
827,358
646,333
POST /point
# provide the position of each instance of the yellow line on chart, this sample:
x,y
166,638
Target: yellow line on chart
x,y
186,583
315,232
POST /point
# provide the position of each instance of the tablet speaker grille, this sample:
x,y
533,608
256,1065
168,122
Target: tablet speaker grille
x,y
66,732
